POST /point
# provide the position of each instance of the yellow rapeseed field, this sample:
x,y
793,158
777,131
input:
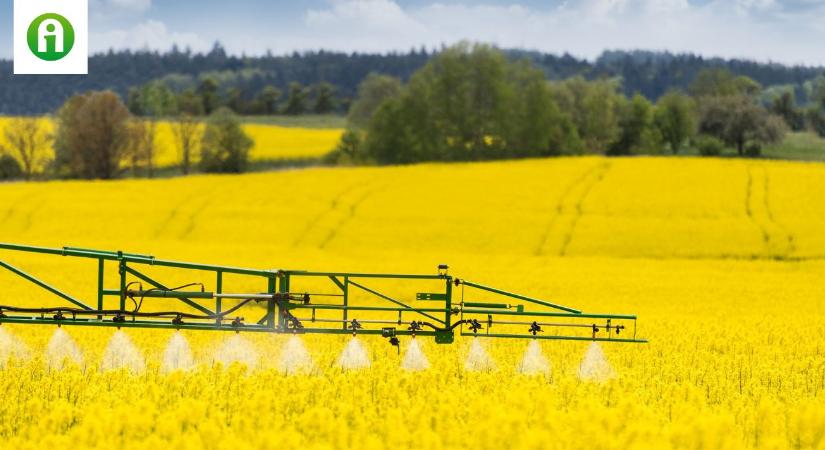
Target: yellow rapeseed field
x,y
722,260
272,142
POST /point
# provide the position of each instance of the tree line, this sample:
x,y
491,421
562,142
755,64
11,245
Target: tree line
x,y
469,102
160,98
652,74
95,136
472,102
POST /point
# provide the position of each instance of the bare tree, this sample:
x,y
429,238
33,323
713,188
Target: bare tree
x,y
29,139
187,130
151,127
140,150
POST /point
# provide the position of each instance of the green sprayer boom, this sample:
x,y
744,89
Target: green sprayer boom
x,y
295,301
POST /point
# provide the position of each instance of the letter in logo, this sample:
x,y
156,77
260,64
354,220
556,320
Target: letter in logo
x,y
50,37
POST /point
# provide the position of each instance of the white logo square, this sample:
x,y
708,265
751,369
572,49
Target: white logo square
x,y
51,37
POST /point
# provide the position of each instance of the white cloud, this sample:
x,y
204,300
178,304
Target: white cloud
x,y
758,29
150,34
105,8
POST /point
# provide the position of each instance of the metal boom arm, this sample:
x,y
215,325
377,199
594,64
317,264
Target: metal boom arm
x,y
287,308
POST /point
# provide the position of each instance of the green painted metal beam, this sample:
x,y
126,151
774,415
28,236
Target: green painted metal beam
x,y
130,257
301,273
486,305
549,314
519,296
134,324
367,308
45,286
392,300
556,338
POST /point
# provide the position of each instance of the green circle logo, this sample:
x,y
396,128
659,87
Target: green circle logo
x,y
51,37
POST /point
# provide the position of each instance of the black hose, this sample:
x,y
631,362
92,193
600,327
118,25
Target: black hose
x,y
117,312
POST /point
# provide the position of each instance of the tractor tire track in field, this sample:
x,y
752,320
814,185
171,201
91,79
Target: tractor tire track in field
x,y
203,200
23,200
28,220
318,218
172,214
570,203
353,209
595,178
192,220
778,242
559,209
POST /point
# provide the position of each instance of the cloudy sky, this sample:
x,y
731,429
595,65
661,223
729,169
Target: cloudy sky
x,y
788,31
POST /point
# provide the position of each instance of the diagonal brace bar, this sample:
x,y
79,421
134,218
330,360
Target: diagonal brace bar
x,y
45,286
389,299
520,297
338,283
161,286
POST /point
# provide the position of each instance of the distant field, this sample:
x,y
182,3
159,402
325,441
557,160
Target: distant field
x,y
273,142
289,138
804,146
307,121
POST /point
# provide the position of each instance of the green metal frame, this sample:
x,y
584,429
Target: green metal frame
x,y
287,307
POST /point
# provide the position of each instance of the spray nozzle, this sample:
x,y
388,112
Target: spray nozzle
x,y
59,316
119,318
237,323
178,320
414,327
475,326
535,328
355,325
296,324
595,330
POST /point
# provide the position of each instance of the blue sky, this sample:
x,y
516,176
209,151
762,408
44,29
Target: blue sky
x,y
789,31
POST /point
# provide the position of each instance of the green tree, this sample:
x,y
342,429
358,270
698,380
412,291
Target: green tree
x,y
157,100
92,135
469,103
208,90
536,126
738,120
9,167
815,92
637,134
325,99
784,106
372,92
465,93
225,146
296,100
190,103
722,82
675,119
594,110
349,149
268,99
